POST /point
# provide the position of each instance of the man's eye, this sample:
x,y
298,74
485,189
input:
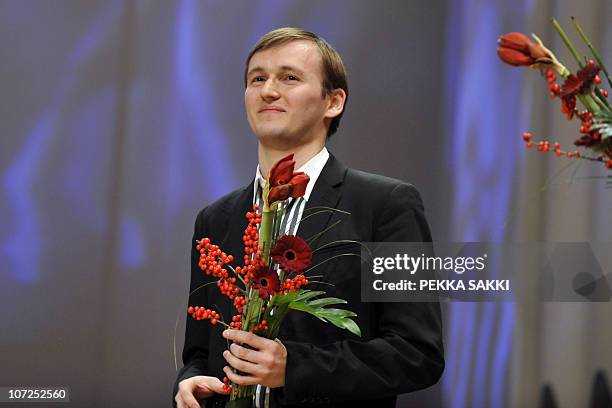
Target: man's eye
x,y
292,77
258,79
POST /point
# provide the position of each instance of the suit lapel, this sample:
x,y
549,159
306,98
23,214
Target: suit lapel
x,y
238,222
326,193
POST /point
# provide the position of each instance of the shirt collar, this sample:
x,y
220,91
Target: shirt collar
x,y
312,168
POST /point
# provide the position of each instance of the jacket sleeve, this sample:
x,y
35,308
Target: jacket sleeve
x,y
195,350
405,355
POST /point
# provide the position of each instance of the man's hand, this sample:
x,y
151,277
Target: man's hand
x,y
197,387
264,365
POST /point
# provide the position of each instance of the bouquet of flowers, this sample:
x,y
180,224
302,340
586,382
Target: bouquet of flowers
x,y
272,280
584,86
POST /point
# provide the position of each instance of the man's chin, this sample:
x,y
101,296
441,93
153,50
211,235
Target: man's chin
x,y
273,136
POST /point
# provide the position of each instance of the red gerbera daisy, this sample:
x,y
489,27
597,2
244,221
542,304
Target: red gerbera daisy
x,y
266,281
291,253
581,82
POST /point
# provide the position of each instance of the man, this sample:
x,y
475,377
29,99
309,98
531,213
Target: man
x,y
296,90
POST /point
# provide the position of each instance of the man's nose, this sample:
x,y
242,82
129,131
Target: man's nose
x,y
269,91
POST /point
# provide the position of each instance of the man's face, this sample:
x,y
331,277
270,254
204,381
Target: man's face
x,y
283,98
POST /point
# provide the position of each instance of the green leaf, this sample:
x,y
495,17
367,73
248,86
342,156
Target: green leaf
x,y
284,299
605,127
305,308
346,324
330,312
307,294
338,317
297,296
322,302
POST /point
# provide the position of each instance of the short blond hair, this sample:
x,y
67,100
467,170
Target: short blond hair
x,y
334,71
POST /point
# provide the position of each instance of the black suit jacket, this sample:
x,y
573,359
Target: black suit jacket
x,y
401,345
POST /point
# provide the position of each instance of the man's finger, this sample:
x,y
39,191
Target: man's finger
x,y
246,354
238,379
211,385
188,400
238,364
244,337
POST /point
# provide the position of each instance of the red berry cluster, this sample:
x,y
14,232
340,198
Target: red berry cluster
x,y
212,259
227,287
568,102
544,146
236,322
553,87
597,80
251,235
227,388
200,313
261,326
239,303
252,255
590,136
291,285
587,121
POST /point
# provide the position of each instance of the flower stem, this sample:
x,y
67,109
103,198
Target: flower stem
x,y
223,323
567,41
601,100
238,276
589,103
593,50
265,232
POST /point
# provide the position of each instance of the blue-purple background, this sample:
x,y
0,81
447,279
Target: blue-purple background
x,y
120,119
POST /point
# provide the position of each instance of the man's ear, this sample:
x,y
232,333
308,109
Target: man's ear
x,y
337,97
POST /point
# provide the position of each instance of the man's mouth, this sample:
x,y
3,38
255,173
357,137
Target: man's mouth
x,y
271,109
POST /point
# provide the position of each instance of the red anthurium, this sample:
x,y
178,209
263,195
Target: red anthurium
x,y
292,253
284,183
279,193
515,40
295,187
282,171
517,49
514,57
298,183
266,281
